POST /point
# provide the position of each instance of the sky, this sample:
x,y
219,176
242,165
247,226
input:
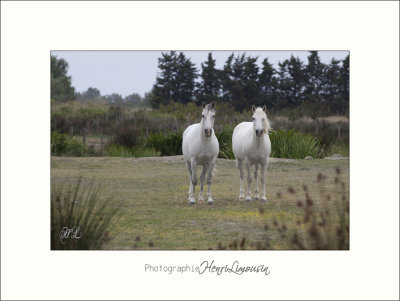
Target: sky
x,y
127,72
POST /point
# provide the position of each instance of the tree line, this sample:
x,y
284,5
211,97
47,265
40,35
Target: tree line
x,y
314,86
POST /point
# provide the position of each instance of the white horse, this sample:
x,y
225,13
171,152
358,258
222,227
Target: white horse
x,y
251,144
200,147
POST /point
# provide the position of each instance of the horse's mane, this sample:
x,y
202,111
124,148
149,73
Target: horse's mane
x,y
267,125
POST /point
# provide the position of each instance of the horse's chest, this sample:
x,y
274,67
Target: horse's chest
x,y
203,157
257,156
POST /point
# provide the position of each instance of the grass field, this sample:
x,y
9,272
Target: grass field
x,y
156,215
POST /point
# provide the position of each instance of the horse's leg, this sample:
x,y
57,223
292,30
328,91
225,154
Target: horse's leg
x,y
240,166
263,176
189,168
202,176
209,181
248,167
256,196
193,182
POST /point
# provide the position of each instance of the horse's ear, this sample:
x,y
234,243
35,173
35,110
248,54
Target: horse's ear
x,y
204,104
265,108
213,105
253,107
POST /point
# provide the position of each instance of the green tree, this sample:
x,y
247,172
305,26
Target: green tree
x,y
268,85
315,72
90,93
226,77
163,89
175,80
345,82
333,93
186,75
115,99
209,88
133,99
240,81
61,88
291,84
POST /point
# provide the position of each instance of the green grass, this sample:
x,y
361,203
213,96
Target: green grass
x,y
123,151
156,215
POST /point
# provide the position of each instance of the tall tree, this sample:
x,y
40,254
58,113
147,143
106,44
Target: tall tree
x,y
345,80
241,86
185,80
209,88
291,82
332,89
268,85
175,80
61,88
162,91
227,80
315,71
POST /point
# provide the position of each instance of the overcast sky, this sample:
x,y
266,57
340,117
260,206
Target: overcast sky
x,y
127,72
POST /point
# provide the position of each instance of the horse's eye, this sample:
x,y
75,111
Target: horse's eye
x,y
202,116
213,116
254,119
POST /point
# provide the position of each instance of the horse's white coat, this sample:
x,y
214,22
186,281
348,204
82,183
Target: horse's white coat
x,y
200,147
251,145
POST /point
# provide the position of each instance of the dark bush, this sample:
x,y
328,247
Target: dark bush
x,y
126,133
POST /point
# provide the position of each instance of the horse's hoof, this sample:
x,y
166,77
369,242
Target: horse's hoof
x,y
210,203
201,201
248,200
256,198
192,203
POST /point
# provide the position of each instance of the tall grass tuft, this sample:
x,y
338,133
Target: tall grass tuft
x,y
167,144
294,145
75,207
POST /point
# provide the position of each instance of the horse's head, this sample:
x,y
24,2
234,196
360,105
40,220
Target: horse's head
x,y
207,118
260,121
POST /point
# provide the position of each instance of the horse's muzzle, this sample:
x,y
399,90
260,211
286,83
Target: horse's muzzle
x,y
207,132
259,133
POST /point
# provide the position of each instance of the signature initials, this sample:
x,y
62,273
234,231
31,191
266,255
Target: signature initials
x,y
66,233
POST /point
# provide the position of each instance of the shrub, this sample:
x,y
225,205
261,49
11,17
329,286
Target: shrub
x,y
167,144
127,134
225,143
63,145
74,206
294,145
